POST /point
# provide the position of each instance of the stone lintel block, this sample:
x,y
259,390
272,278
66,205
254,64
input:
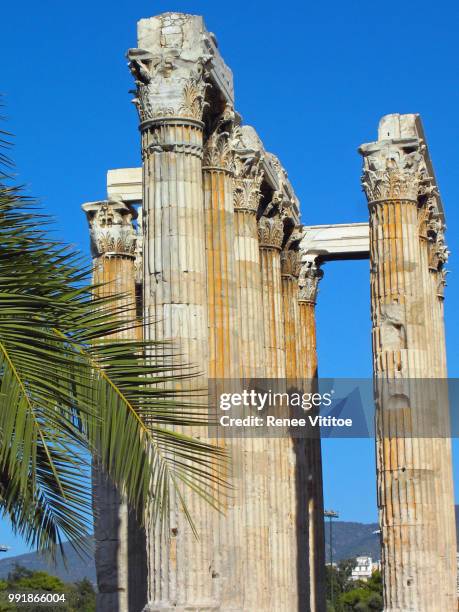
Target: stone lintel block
x,y
336,241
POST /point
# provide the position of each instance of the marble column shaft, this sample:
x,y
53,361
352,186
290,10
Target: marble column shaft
x,y
246,196
256,470
181,568
229,539
434,256
405,462
289,271
310,276
280,451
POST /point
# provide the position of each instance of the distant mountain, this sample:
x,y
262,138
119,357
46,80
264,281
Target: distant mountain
x,y
354,539
349,540
77,567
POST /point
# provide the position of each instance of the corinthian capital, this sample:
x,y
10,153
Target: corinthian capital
x,y
176,60
248,176
110,227
159,94
270,232
290,263
308,282
393,170
218,150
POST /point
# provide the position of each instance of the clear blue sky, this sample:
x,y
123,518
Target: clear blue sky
x,y
313,78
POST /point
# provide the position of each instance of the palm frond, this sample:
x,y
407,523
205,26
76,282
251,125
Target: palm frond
x,y
69,386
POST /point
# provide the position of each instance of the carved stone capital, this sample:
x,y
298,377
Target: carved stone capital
x,y
175,62
185,97
248,176
270,232
393,170
290,263
441,283
438,253
218,150
111,229
434,229
308,282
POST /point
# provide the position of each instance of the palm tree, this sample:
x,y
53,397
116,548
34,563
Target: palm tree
x,y
71,388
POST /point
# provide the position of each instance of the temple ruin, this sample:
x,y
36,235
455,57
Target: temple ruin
x,y
207,237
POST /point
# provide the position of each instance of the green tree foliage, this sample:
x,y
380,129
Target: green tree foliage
x,y
79,596
351,595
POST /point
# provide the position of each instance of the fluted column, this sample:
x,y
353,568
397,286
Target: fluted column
x,y
290,269
435,256
270,236
221,265
310,276
229,540
183,572
246,197
255,470
393,172
280,452
113,246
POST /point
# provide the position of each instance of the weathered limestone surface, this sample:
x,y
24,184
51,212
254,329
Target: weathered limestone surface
x,y
396,174
117,534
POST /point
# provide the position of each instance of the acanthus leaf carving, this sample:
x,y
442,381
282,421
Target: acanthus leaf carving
x,y
290,263
248,176
194,93
270,232
393,171
308,282
154,74
218,148
111,229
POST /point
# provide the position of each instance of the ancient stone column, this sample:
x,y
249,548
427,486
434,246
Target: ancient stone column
x,y
246,196
229,540
255,470
221,265
310,276
290,269
280,451
113,247
168,69
270,237
435,256
393,172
